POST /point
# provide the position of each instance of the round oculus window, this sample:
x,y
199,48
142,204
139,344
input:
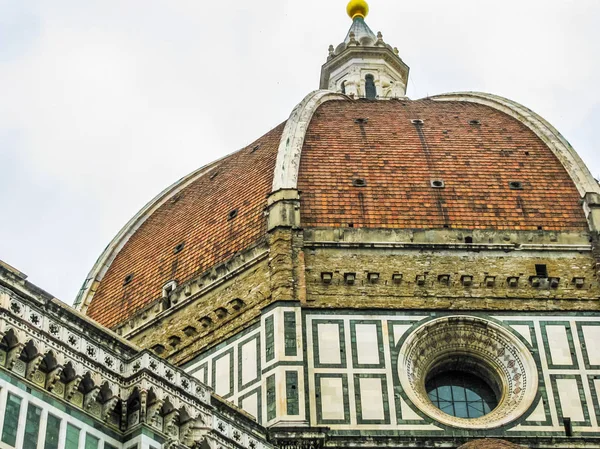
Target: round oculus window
x,y
467,372
461,394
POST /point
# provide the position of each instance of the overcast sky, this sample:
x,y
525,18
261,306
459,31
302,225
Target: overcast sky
x,y
103,103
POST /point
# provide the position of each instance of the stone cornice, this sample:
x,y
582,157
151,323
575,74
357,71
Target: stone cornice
x,y
57,335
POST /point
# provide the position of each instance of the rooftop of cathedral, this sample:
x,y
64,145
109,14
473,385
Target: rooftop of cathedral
x,y
366,163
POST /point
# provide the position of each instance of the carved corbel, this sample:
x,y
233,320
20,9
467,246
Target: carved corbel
x,y
192,432
201,444
154,410
33,365
90,397
52,377
143,405
13,355
170,423
171,444
71,387
108,407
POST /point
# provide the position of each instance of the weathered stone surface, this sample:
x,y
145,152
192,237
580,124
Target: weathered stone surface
x,y
252,287
437,290
490,443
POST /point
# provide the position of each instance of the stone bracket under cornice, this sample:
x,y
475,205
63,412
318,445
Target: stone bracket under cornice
x,y
292,139
588,187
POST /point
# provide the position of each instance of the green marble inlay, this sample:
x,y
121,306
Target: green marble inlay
x,y
240,352
11,420
256,392
355,339
52,431
585,350
270,338
582,398
32,426
574,362
344,398
91,442
291,389
271,399
72,441
342,343
289,324
360,399
228,354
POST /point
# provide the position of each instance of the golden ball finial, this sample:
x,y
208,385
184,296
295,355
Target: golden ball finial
x,y
357,8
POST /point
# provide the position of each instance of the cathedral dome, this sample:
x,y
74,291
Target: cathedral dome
x,y
356,154
399,164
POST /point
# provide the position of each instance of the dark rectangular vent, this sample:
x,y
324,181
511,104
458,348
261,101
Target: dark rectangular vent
x,y
541,271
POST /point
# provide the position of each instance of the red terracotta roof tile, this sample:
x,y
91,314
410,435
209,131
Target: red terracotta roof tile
x,y
398,160
200,219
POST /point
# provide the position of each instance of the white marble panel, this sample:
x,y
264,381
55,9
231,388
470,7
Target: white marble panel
x,y
371,398
568,393
249,361
538,415
222,376
560,352
250,404
408,414
399,330
200,374
329,343
332,394
524,331
591,335
367,349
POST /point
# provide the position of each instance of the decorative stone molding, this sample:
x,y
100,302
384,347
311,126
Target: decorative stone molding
x,y
362,54
292,139
101,379
478,346
390,73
